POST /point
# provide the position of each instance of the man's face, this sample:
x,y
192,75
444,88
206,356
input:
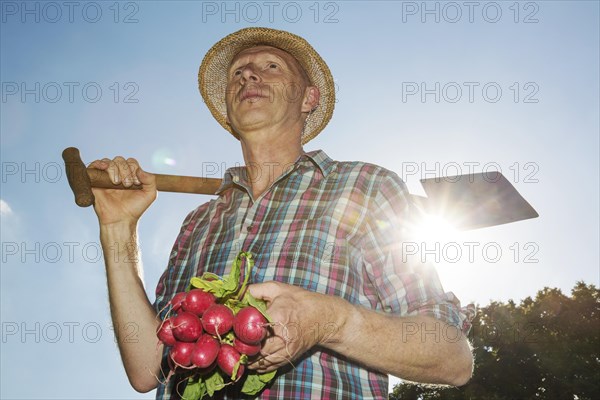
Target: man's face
x,y
265,87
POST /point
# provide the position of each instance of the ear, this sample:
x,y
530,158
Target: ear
x,y
312,95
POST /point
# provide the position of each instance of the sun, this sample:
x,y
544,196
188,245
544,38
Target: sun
x,y
435,228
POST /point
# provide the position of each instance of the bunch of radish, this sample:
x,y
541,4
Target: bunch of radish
x,y
199,333
212,330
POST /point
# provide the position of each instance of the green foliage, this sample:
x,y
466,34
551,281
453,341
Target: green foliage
x,y
214,383
545,348
228,286
254,383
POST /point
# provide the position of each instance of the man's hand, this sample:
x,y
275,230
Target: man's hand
x,y
416,348
115,206
301,320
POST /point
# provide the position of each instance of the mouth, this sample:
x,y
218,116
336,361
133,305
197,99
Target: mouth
x,y
252,94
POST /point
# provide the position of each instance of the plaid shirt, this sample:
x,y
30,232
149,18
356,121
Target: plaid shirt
x,y
326,226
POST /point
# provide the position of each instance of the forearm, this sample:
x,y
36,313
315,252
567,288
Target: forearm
x,y
130,308
420,349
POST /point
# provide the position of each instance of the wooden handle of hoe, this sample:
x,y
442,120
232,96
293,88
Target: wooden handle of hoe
x,y
82,180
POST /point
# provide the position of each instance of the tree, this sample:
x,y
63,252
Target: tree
x,y
543,348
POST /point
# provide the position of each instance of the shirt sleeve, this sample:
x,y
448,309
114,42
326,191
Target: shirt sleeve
x,y
173,279
404,284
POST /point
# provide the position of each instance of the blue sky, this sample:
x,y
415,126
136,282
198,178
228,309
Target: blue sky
x,y
501,85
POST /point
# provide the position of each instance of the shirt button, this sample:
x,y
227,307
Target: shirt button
x,y
249,228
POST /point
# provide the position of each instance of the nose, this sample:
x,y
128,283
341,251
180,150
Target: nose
x,y
249,74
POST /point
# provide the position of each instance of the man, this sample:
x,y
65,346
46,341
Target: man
x,y
326,236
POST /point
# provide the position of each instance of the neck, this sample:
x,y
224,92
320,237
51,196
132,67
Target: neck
x,y
267,160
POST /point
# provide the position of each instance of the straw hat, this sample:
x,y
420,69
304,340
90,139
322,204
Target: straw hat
x,y
212,77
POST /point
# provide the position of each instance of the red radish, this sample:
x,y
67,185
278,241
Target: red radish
x,y
249,325
177,301
165,332
217,320
207,370
187,327
181,353
227,358
247,349
197,301
205,352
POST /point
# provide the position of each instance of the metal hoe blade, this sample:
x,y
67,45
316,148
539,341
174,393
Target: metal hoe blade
x,y
474,201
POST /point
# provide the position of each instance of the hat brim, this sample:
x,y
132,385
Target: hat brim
x,y
212,76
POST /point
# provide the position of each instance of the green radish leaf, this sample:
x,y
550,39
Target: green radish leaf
x,y
214,382
243,360
249,266
233,280
234,305
267,376
212,286
227,286
194,390
228,338
254,383
235,371
209,276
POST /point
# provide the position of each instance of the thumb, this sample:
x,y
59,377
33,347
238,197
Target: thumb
x,y
264,291
146,178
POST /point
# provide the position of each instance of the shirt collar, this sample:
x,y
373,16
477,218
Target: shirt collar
x,y
237,176
320,159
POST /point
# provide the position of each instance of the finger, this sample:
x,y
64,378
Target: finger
x,y
99,164
270,354
123,171
260,365
113,171
271,362
133,166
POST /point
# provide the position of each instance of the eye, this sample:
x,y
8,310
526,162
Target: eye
x,y
273,66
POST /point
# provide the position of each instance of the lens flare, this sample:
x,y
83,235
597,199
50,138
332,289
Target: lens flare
x,y
435,228
162,160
